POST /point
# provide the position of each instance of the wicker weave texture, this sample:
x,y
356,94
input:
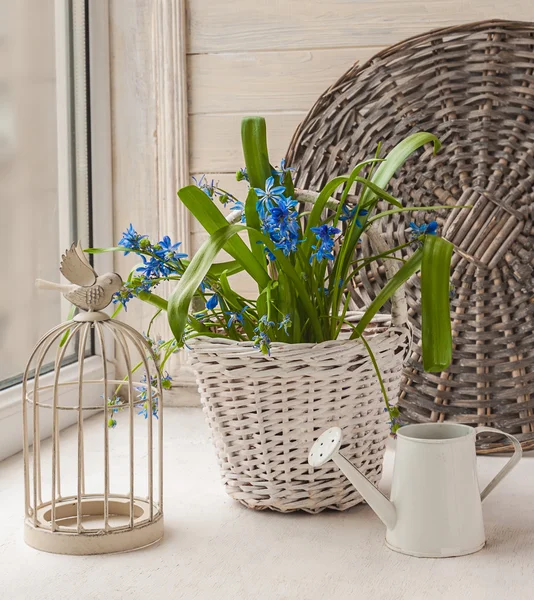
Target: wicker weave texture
x,y
265,412
473,86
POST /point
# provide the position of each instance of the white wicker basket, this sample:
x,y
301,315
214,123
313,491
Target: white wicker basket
x,y
264,413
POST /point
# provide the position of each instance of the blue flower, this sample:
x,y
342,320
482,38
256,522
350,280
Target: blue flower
x,y
131,239
236,317
153,267
144,409
169,251
115,403
280,221
418,230
212,302
348,214
285,324
112,423
207,188
242,175
262,342
267,197
325,235
281,172
123,297
270,255
238,205
264,323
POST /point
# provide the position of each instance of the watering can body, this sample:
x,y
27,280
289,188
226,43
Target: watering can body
x,y
435,509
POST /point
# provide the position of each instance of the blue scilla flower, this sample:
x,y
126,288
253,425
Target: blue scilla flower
x,y
242,175
236,317
262,342
268,196
131,239
282,225
238,205
285,324
325,236
207,187
169,251
349,214
268,252
212,302
417,230
282,170
144,409
122,297
264,323
153,266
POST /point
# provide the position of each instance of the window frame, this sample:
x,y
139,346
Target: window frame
x,y
89,128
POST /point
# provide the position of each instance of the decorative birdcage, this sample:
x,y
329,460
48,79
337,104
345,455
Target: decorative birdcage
x,y
96,487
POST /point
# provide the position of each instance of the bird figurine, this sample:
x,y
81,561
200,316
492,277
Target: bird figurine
x,y
86,289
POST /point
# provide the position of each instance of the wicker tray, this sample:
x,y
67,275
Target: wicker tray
x,y
473,86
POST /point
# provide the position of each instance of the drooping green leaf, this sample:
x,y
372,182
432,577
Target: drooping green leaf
x,y
435,309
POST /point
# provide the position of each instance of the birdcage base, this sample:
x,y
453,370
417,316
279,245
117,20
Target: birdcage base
x,y
93,539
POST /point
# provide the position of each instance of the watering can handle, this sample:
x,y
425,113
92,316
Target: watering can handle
x,y
518,453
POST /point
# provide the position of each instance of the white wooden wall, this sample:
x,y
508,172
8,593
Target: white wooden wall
x,y
244,57
274,58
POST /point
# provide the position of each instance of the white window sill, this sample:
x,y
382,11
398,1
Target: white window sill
x,y
214,548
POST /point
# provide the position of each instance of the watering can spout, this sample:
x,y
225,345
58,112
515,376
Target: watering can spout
x,y
327,448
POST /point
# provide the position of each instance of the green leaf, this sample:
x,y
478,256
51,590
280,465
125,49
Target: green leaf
x,y
394,211
102,250
180,299
410,267
319,205
153,299
254,142
230,267
284,265
65,337
435,308
396,159
253,220
209,216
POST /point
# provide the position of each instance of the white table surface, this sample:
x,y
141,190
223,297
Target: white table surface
x,y
215,549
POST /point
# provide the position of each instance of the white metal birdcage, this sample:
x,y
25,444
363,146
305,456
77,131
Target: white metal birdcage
x,y
94,488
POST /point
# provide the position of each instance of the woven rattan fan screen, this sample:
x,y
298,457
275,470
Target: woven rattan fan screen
x,y
473,86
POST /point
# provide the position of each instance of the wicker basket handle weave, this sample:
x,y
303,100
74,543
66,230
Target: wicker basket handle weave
x,y
399,309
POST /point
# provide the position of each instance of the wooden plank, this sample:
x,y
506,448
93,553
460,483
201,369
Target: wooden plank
x,y
264,25
215,140
263,81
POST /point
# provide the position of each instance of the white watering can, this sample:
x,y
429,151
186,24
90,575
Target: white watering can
x,y
436,505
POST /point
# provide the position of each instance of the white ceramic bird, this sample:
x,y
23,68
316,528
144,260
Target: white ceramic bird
x,y
87,290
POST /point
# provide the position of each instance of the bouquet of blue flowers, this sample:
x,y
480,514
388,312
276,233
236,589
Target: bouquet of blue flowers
x,y
302,252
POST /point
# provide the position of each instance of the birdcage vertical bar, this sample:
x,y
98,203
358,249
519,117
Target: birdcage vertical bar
x,y
133,337
37,476
99,329
56,476
37,351
81,457
124,348
25,449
